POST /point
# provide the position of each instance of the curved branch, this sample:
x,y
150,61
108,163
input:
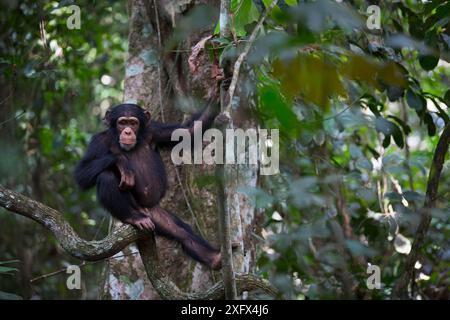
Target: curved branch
x,y
401,288
95,250
54,221
168,290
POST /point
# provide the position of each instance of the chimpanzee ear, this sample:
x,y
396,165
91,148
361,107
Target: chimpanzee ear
x,y
107,118
147,115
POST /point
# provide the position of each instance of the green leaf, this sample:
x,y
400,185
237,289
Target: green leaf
x,y
412,196
245,13
384,126
446,40
428,63
415,101
217,28
430,124
415,25
394,197
405,127
386,141
389,129
364,163
313,78
274,103
398,137
7,269
355,151
447,98
9,261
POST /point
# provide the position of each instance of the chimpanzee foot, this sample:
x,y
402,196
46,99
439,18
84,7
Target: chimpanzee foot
x,y
216,263
142,222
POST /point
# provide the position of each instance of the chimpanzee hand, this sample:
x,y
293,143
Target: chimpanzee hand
x,y
126,179
126,174
225,84
222,119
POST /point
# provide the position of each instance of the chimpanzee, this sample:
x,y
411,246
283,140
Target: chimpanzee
x,y
124,162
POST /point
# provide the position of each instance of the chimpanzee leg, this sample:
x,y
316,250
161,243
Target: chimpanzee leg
x,y
121,204
170,226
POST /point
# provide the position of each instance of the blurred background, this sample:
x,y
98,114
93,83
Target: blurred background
x,y
360,96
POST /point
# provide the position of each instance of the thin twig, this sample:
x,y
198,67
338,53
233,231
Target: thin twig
x,y
404,113
98,229
7,97
12,118
84,263
224,221
183,191
159,62
243,55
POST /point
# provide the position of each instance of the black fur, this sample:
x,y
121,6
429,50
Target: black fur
x,y
99,167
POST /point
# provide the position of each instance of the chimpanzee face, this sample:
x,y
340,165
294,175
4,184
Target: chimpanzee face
x,y
128,122
127,128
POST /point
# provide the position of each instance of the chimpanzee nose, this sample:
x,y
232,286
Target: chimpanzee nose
x,y
127,131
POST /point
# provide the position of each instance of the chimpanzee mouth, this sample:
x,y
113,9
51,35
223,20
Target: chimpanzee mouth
x,y
127,146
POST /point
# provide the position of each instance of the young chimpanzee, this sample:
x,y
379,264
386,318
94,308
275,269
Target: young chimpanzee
x,y
124,162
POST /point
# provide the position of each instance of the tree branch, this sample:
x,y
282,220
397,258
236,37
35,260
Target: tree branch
x,y
96,250
54,221
401,288
168,290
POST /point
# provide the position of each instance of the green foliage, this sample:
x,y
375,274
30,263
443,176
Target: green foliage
x,y
340,94
244,13
51,94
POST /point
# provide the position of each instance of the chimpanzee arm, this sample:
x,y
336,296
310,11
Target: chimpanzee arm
x,y
96,160
161,133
